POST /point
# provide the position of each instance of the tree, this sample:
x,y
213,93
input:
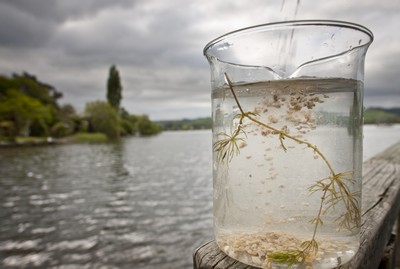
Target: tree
x,y
128,122
103,118
28,106
67,110
114,88
31,86
24,112
67,122
147,127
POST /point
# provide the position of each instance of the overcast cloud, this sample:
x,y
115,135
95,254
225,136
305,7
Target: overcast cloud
x,y
157,46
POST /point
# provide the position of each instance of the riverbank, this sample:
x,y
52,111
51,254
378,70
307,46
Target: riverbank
x,y
42,141
33,141
380,133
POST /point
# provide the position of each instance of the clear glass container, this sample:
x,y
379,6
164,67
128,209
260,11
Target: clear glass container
x,y
287,103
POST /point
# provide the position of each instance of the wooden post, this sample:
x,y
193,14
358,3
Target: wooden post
x,y
380,210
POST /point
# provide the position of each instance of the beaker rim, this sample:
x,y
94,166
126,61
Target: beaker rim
x,y
293,23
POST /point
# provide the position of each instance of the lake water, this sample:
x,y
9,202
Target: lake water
x,y
143,203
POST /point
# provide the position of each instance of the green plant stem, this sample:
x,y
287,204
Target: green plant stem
x,y
281,133
352,214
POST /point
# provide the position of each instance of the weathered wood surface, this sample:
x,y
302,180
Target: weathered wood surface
x,y
380,210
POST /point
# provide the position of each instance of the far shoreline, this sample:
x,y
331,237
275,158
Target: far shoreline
x,y
49,141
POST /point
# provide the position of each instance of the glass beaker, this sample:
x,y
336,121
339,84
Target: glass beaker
x,y
287,108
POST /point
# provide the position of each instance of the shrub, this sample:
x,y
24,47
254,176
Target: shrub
x,y
103,118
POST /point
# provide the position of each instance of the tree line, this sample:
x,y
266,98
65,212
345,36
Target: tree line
x,y
378,115
30,108
186,124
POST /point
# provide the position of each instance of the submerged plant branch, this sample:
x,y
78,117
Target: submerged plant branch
x,y
228,147
282,135
334,188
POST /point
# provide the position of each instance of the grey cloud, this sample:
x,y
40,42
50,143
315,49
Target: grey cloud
x,y
43,9
109,39
21,29
32,23
157,46
59,11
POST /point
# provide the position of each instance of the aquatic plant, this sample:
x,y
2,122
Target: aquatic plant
x,y
334,188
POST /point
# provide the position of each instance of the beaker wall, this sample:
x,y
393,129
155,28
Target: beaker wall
x,y
287,134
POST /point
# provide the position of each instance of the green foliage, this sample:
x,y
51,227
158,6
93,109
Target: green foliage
x,y
380,115
103,118
114,88
134,120
30,86
186,124
67,122
27,106
24,112
7,130
30,140
6,84
39,128
82,125
61,129
127,128
147,127
67,111
90,138
129,123
138,124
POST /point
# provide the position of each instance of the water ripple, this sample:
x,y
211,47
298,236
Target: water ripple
x,y
22,261
20,245
76,245
144,203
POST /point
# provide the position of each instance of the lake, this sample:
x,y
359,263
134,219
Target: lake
x,y
143,203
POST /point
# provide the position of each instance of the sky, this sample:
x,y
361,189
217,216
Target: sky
x,y
157,46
